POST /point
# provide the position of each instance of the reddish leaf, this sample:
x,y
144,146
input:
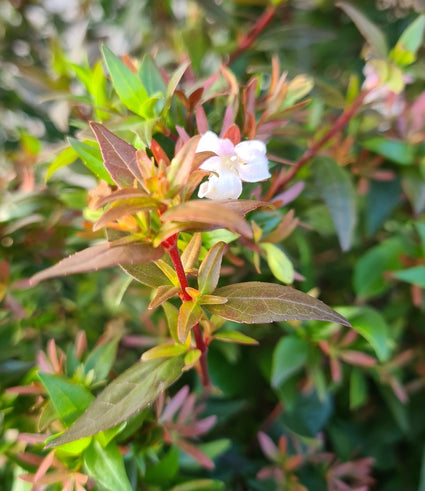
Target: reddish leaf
x,y
220,215
99,257
255,302
182,164
127,207
120,194
119,156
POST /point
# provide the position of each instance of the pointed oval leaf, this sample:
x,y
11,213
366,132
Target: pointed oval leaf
x,y
121,194
190,313
70,400
209,212
337,191
99,257
182,164
255,302
162,294
209,270
279,263
119,156
289,357
373,35
92,158
164,351
106,466
123,208
235,337
127,84
128,394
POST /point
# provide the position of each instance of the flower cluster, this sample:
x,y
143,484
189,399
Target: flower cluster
x,y
232,165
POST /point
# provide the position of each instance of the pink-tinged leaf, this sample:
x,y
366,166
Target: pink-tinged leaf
x,y
118,155
284,229
121,194
190,255
182,164
201,120
168,229
124,208
209,212
268,446
242,206
290,194
233,133
128,394
197,454
357,358
209,270
255,302
174,404
99,257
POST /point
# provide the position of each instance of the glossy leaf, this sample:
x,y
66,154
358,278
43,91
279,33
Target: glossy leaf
x,y
255,302
208,212
162,294
337,191
63,159
121,194
373,35
70,400
92,158
127,84
279,263
102,358
128,394
99,257
400,152
289,356
151,77
209,270
106,466
119,156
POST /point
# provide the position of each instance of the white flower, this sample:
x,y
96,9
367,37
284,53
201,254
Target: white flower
x,y
232,164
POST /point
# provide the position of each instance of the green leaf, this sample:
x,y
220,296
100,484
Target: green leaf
x,y
337,191
405,51
204,484
289,356
358,389
165,470
254,302
400,152
382,198
106,466
279,263
102,358
369,279
70,400
128,394
151,77
414,275
64,158
234,337
146,273
370,324
92,158
209,270
190,313
373,35
420,226
127,84
164,351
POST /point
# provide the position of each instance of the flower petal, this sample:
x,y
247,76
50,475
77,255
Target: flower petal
x,y
251,151
226,186
210,142
212,164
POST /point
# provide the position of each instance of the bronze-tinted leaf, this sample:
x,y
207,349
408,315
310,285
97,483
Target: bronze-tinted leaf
x,y
208,212
120,194
127,207
242,206
128,394
119,156
255,302
182,164
99,257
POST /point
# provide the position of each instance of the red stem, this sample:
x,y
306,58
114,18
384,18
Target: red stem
x,y
253,34
284,177
171,246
